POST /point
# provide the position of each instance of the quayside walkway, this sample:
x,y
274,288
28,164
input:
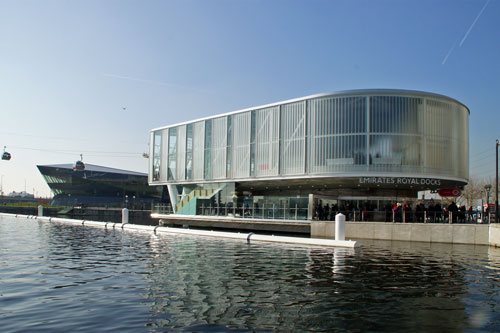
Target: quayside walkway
x,y
454,233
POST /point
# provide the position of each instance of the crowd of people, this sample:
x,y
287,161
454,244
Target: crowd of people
x,y
429,211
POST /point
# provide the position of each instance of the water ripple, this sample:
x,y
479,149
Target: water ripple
x,y
60,278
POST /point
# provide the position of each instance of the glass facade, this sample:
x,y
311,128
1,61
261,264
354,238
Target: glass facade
x,y
338,130
396,134
198,150
419,134
240,145
293,138
267,142
266,161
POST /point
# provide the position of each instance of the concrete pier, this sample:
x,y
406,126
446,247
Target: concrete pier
x,y
474,234
247,237
224,222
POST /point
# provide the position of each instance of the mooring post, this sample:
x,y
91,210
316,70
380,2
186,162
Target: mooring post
x,y
40,210
340,227
124,215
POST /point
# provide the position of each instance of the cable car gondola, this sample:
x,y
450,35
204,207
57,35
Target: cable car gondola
x,y
79,165
6,155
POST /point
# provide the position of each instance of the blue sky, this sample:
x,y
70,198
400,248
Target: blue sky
x,y
67,68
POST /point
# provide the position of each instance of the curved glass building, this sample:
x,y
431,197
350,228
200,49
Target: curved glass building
x,y
351,146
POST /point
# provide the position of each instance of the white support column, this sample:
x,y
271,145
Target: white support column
x,y
124,215
306,133
172,192
368,131
310,207
339,227
424,136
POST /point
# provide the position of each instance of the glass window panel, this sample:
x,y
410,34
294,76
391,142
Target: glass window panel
x,y
198,149
252,144
218,146
181,153
157,139
189,151
447,146
267,142
395,153
172,153
337,129
293,125
241,145
228,148
396,114
208,149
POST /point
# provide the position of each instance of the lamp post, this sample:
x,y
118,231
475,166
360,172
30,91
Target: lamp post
x,y
496,183
487,187
482,205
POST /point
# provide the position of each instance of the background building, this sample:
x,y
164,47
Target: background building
x,y
99,186
352,148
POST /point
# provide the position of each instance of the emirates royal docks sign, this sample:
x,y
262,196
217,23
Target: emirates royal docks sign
x,y
400,181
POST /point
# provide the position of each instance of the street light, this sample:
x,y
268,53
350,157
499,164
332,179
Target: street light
x,y
496,183
487,187
482,206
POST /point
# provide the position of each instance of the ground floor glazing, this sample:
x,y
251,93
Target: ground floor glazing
x,y
298,203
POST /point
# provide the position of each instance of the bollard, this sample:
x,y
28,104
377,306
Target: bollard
x,y
40,210
124,216
339,227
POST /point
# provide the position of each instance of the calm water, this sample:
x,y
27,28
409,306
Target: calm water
x,y
63,278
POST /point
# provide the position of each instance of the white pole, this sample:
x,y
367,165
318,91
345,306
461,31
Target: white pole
x,y
124,216
339,227
40,210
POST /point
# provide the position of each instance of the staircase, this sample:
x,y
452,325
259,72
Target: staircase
x,y
187,205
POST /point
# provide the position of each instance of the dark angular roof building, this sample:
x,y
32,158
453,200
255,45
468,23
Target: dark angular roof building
x,y
99,186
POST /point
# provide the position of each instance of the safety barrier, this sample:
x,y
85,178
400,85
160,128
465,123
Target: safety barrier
x,y
234,235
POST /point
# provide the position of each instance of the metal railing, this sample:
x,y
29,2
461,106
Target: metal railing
x,y
276,212
162,209
264,211
410,216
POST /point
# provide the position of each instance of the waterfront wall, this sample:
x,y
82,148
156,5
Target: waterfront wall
x,y
494,235
87,213
475,234
28,210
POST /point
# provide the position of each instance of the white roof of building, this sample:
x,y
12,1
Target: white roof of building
x,y
97,168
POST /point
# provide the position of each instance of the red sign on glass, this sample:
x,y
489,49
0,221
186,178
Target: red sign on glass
x,y
450,192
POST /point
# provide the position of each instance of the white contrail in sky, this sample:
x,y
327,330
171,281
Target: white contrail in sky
x,y
473,23
448,54
466,34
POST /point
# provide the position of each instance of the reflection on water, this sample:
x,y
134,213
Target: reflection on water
x,y
57,277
